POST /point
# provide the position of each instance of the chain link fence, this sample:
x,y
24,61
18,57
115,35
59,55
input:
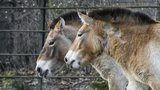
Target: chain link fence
x,y
23,31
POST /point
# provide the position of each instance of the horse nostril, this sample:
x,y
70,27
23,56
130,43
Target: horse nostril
x,y
39,69
72,62
79,63
65,59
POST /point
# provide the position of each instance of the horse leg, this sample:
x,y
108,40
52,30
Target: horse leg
x,y
112,85
134,85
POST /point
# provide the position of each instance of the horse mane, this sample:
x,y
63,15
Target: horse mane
x,y
69,16
121,14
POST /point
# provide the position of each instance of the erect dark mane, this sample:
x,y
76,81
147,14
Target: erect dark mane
x,y
69,16
119,14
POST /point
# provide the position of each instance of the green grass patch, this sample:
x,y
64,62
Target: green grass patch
x,y
99,85
6,83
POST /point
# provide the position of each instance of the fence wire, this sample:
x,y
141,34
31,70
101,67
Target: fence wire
x,y
39,82
74,8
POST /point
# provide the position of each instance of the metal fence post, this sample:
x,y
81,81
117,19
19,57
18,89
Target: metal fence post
x,y
40,83
43,21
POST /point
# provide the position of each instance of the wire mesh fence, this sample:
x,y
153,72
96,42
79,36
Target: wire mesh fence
x,y
23,31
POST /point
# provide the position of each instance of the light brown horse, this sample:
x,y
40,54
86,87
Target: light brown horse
x,y
59,39
131,38
57,44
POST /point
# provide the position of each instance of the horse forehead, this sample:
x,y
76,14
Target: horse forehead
x,y
83,27
53,34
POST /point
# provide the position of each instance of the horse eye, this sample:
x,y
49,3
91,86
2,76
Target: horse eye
x,y
79,34
51,43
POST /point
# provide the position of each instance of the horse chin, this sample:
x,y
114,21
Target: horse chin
x,y
76,65
45,74
48,75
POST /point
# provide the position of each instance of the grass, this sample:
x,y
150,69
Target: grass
x,y
99,85
6,83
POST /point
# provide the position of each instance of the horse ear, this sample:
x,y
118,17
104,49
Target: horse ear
x,y
84,18
60,23
49,23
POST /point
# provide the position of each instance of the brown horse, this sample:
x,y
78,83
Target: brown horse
x,y
131,38
51,57
57,44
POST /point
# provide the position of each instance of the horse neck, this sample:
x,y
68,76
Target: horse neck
x,y
134,37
